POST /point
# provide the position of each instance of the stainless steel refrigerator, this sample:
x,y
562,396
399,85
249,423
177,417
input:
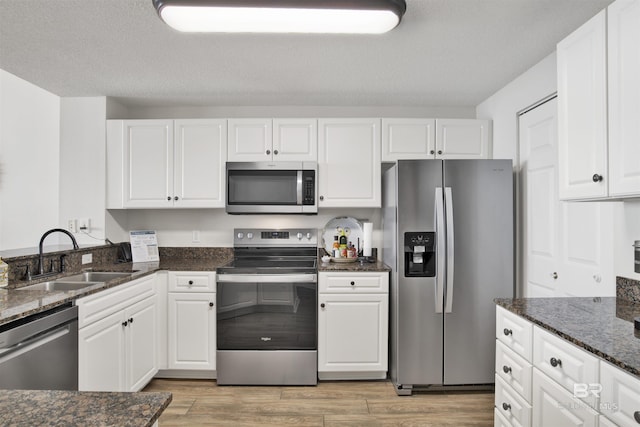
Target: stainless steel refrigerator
x,y
448,230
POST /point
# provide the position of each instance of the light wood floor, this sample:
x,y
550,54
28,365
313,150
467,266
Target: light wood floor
x,y
340,403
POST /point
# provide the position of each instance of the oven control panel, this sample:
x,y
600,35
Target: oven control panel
x,y
275,237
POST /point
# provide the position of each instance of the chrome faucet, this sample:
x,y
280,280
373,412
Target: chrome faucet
x,y
41,257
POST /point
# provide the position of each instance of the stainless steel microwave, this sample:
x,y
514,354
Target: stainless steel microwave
x,y
272,188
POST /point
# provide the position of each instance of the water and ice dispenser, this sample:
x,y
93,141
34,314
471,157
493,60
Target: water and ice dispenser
x,y
420,254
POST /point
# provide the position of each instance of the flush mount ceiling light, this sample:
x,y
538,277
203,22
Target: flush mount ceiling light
x,y
282,16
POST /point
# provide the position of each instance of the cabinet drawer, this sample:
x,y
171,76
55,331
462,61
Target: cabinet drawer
x,y
352,282
515,332
511,405
98,306
565,363
514,370
554,406
192,281
620,396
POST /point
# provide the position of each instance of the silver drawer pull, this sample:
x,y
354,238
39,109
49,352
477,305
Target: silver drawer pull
x,y
506,406
506,369
555,362
507,332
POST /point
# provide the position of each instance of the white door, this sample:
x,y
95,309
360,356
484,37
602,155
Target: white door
x,y
624,97
295,140
463,139
101,355
352,332
349,163
249,140
200,156
567,247
141,334
540,211
192,331
408,139
582,111
148,163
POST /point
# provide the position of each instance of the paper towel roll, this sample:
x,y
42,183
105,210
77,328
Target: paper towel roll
x,y
367,236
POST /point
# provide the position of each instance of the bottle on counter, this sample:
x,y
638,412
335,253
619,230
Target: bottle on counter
x,y
351,251
336,245
4,274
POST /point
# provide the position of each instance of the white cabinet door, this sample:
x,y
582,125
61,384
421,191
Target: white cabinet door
x,y
408,139
463,139
250,140
101,355
349,163
141,335
582,112
295,140
148,163
200,155
352,332
192,331
624,97
554,406
620,395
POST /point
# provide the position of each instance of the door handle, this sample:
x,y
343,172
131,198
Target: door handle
x,y
440,248
448,203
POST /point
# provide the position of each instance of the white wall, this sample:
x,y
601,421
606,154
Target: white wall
x,y
82,165
502,107
29,162
175,227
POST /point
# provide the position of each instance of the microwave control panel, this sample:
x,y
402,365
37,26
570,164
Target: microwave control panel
x,y
308,187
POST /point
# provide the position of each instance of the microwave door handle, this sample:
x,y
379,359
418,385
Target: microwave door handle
x,y
299,188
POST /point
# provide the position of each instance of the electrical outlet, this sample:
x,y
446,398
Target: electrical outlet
x,y
72,226
85,225
87,258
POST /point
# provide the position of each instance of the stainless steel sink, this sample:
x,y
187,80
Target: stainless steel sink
x,y
59,285
95,276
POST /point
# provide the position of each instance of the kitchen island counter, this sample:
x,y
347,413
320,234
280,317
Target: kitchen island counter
x,y
73,408
600,325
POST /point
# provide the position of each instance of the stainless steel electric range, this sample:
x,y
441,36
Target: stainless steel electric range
x,y
267,309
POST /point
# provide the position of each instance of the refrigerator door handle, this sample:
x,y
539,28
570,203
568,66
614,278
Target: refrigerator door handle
x,y
440,248
448,200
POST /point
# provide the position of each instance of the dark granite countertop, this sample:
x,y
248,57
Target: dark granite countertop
x,y
602,326
16,303
360,265
72,408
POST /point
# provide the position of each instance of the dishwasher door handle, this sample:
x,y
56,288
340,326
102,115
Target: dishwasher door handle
x,y
22,347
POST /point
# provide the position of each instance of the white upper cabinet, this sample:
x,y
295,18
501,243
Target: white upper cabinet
x,y
435,139
349,168
582,111
166,163
200,150
624,97
599,106
463,139
408,139
265,140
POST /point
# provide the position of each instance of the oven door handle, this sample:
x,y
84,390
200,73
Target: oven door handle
x,y
267,278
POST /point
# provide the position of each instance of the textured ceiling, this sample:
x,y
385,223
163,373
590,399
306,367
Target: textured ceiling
x,y
444,53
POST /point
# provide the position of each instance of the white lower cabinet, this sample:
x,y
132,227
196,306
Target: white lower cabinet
x,y
192,331
353,326
553,405
620,396
560,383
117,337
191,322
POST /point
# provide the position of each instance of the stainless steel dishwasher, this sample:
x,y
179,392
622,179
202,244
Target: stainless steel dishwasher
x,y
40,352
